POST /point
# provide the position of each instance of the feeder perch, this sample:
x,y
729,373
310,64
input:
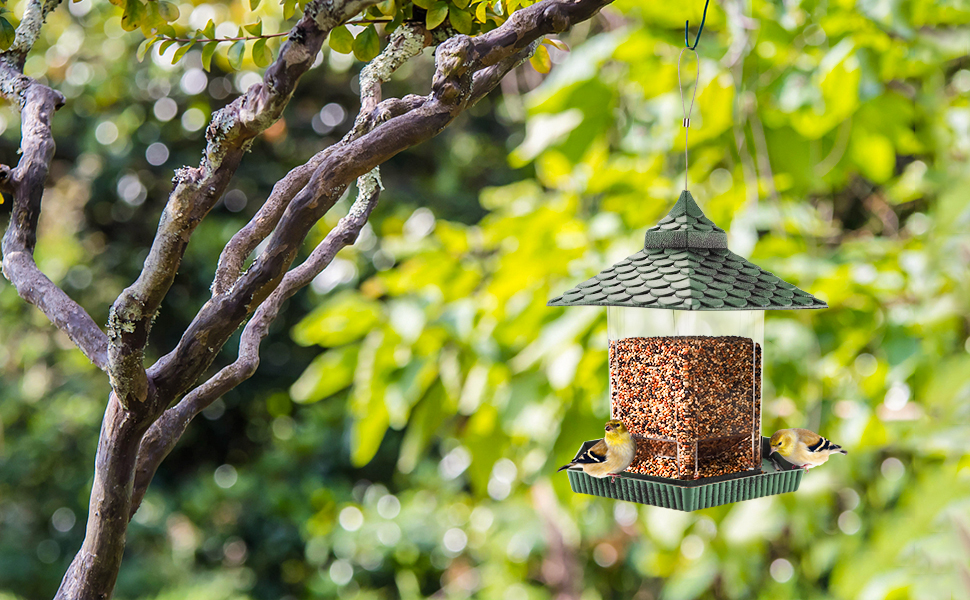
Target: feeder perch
x,y
685,376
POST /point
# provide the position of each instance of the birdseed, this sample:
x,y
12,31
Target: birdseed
x,y
692,402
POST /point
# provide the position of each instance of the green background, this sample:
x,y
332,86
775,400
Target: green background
x,y
401,436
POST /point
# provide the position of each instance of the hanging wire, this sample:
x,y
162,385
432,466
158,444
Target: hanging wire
x,y
683,103
697,79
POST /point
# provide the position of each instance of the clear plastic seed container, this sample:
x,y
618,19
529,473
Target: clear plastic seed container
x,y
687,384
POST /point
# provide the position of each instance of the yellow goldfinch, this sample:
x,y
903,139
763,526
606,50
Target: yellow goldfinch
x,y
803,448
610,455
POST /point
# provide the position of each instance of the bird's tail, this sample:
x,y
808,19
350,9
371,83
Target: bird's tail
x,y
564,467
842,451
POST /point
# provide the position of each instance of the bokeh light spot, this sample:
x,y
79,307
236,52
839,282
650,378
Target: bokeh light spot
x,y
225,476
781,570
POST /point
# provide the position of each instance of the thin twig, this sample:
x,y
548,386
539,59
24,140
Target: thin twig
x,y
267,36
228,39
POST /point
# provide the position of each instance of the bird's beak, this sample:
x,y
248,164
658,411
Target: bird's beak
x,y
773,450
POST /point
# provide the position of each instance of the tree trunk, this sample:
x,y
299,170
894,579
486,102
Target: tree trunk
x,y
92,574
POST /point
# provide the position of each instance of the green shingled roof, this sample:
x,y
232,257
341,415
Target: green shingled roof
x,y
685,265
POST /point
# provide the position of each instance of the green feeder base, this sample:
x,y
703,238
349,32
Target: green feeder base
x,y
774,478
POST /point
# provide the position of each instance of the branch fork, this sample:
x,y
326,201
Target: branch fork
x,y
149,408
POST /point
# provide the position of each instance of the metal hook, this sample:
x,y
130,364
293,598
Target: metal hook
x,y
698,38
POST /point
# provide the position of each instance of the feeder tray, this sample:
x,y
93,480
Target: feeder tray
x,y
774,477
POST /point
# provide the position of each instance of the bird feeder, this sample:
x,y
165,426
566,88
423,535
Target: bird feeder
x,y
685,318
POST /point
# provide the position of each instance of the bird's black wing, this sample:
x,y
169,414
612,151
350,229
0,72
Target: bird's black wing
x,y
823,444
595,454
592,455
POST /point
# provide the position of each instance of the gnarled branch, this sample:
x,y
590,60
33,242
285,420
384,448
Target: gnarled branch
x,y
196,191
466,69
37,104
457,60
166,431
135,403
406,42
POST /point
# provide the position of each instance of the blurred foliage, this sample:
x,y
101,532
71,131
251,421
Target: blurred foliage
x,y
360,37
405,440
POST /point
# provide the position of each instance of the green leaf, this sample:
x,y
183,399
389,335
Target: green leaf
x,y
236,53
165,45
367,45
395,22
289,8
425,420
151,21
345,318
181,52
134,13
262,55
436,15
540,61
7,34
327,374
480,13
557,44
425,4
461,3
341,40
387,7
209,31
874,153
253,4
208,51
367,433
460,19
168,11
255,29
143,48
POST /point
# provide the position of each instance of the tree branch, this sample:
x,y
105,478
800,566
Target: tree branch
x,y
406,42
92,573
168,429
35,13
457,60
488,78
139,397
264,221
196,190
135,403
37,104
